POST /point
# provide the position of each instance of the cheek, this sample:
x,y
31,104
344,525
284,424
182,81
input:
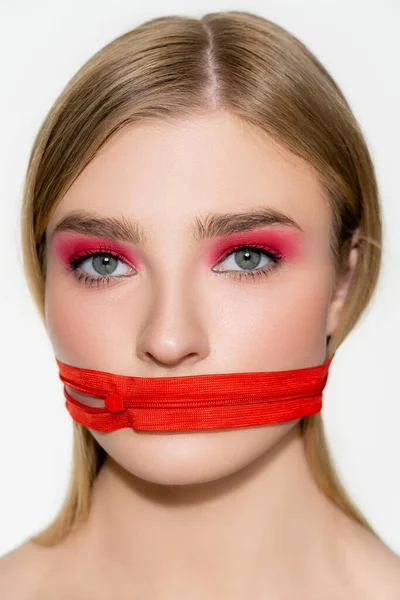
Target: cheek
x,y
279,325
85,324
69,326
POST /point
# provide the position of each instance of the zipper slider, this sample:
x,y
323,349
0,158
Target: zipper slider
x,y
114,403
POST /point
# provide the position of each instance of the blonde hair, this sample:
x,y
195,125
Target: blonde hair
x,y
174,67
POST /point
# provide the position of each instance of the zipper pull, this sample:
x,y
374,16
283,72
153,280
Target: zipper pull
x,y
114,403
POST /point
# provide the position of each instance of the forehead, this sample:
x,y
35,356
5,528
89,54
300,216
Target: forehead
x,y
166,173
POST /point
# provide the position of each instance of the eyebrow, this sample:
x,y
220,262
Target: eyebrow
x,y
211,226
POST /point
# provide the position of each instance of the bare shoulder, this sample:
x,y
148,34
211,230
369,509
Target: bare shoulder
x,y
23,569
375,566
383,571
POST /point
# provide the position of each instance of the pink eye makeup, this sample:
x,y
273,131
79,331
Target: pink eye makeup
x,y
276,245
73,249
283,244
68,245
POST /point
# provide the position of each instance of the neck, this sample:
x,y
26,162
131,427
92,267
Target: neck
x,y
249,533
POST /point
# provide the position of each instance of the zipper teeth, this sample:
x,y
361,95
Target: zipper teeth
x,y
150,403
95,393
236,401
195,404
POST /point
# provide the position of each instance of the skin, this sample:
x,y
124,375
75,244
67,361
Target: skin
x,y
214,514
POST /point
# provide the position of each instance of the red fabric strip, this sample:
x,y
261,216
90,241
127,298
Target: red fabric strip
x,y
209,401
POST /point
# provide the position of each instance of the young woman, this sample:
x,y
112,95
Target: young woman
x,y
200,201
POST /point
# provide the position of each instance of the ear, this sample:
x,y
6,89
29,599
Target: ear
x,y
342,287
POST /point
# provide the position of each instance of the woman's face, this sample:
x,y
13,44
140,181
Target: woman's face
x,y
178,300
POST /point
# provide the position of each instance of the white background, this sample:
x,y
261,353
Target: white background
x,y
42,44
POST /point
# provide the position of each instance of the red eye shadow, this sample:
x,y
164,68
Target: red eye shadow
x,y
285,242
68,245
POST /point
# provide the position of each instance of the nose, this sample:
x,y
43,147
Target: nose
x,y
174,332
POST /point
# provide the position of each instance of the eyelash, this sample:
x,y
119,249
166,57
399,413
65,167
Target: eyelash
x,y
256,275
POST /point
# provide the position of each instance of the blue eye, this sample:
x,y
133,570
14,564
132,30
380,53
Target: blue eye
x,y
102,260
248,257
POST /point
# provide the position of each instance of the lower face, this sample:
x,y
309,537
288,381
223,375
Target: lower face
x,y
175,315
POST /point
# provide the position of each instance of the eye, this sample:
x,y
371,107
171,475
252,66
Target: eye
x,y
103,264
99,268
253,261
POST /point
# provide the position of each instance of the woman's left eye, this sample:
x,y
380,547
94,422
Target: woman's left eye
x,y
248,258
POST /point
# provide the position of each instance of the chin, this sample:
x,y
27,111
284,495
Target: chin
x,y
189,457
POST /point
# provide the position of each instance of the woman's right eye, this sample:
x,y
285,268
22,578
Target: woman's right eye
x,y
101,268
102,264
